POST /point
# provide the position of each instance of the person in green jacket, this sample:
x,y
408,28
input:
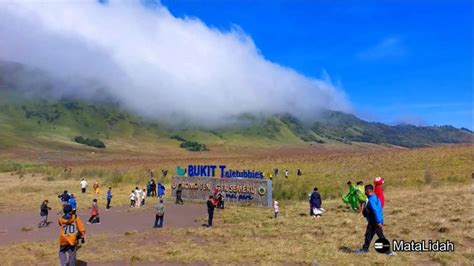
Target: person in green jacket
x,y
351,197
361,195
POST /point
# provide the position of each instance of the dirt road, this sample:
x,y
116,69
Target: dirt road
x,y
16,227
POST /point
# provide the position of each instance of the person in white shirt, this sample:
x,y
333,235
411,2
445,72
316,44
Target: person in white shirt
x,y
143,196
138,196
132,199
83,185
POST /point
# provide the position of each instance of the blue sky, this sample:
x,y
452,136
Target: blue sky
x,y
398,61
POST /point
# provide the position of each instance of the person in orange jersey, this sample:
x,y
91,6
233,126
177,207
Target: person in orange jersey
x,y
71,231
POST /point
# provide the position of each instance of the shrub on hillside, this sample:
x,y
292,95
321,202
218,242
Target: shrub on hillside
x,y
90,142
193,146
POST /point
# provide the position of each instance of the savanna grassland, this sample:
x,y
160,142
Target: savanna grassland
x,y
428,196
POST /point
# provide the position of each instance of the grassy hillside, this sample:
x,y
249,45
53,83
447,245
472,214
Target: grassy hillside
x,y
37,120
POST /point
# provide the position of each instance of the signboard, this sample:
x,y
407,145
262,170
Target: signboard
x,y
236,191
217,171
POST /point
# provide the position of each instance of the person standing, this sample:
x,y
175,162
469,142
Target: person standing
x,y
148,188
159,214
316,203
161,190
210,211
179,194
44,210
96,188
276,209
109,198
83,185
143,196
71,229
286,173
153,188
373,212
220,201
378,181
299,173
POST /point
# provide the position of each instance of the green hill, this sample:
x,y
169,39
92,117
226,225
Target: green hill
x,y
28,121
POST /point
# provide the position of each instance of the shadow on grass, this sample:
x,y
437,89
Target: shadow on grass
x,y
81,263
345,249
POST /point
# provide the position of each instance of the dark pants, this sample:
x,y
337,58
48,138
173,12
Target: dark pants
x,y
63,257
132,203
159,220
94,219
210,217
221,204
143,202
83,190
108,203
153,193
179,200
371,230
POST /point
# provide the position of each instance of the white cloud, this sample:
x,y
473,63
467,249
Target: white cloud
x,y
390,47
156,64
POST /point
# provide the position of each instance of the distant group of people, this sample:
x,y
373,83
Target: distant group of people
x,y
276,172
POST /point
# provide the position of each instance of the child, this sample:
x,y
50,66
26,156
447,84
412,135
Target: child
x,y
44,214
378,190
276,209
94,213
143,197
132,199
138,194
96,188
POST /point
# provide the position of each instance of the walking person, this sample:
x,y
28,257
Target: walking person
x,y
316,202
159,214
94,219
138,194
210,211
132,199
83,185
109,198
44,210
73,203
179,194
71,230
373,212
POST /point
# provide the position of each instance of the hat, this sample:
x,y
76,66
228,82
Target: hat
x,y
67,209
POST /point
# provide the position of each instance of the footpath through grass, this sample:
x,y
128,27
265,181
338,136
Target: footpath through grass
x,y
246,235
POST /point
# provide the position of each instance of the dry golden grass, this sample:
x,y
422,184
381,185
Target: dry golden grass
x,y
246,235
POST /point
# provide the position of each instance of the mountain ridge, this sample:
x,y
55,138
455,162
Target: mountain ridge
x,y
24,119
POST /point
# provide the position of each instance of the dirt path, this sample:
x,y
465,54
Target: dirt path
x,y
116,221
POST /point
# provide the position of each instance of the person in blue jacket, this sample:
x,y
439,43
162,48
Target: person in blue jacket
x,y
161,190
373,212
73,203
315,202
